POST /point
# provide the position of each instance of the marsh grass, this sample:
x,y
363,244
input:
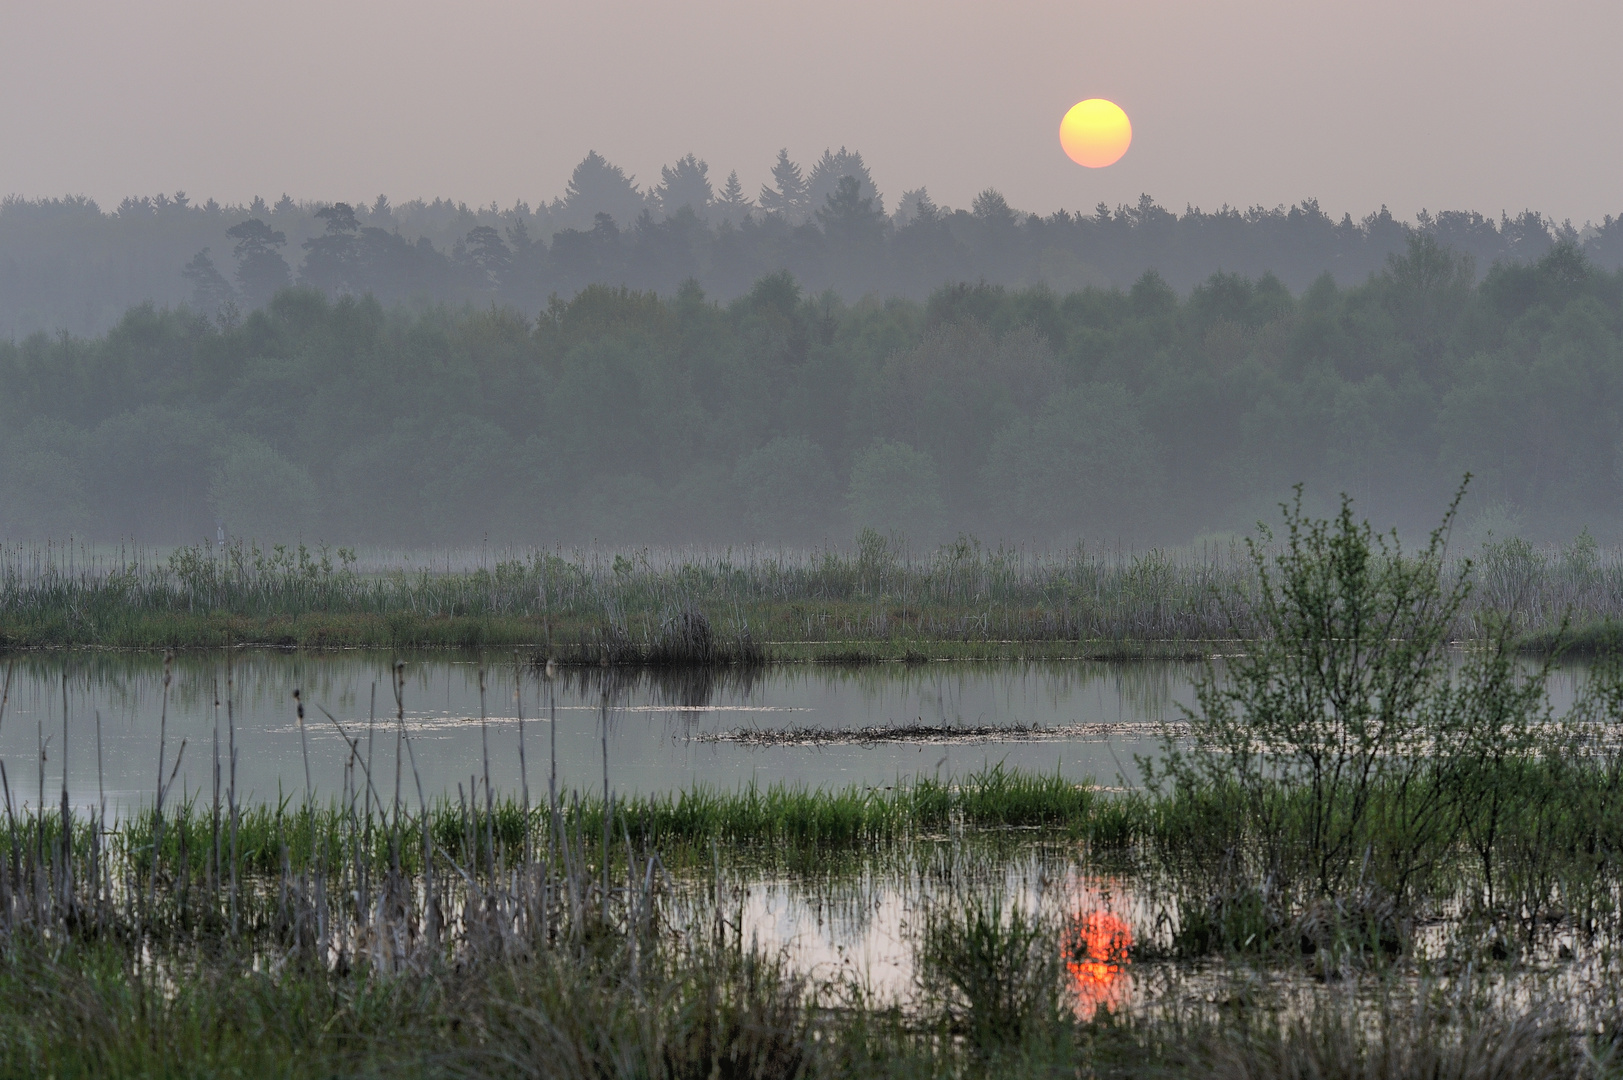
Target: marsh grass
x,y
880,601
1396,1037
1351,811
990,971
682,825
288,937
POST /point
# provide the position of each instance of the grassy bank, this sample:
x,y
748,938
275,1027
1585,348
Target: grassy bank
x,y
879,602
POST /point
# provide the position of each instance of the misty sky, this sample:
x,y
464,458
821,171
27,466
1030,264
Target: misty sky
x,y
1445,104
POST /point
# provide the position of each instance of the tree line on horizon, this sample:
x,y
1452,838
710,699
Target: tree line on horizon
x,y
67,265
1118,417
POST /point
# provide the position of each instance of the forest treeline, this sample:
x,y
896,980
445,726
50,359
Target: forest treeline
x,y
67,265
1109,415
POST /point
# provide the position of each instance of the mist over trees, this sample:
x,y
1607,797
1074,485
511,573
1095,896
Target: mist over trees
x,y
787,414
67,265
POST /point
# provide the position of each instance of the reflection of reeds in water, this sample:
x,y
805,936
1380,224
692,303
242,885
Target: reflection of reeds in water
x,y
339,884
674,685
368,878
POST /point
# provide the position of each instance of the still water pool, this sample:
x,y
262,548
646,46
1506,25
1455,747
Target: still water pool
x,y
663,730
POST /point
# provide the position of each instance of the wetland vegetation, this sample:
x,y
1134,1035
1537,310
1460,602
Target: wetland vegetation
x,y
1361,858
884,600
705,740
1372,846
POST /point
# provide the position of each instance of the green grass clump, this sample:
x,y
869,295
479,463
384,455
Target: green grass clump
x,y
690,820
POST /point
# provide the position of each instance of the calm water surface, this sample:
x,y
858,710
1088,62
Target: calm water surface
x,y
660,728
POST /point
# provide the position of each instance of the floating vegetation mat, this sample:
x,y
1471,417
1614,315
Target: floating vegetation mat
x,y
943,734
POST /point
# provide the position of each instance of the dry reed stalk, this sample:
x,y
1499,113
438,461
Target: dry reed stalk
x,y
431,913
214,871
608,805
490,796
163,734
399,681
524,787
96,870
65,884
304,746
14,872
231,791
39,833
555,832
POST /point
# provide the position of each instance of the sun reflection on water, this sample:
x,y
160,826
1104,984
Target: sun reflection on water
x,y
1096,947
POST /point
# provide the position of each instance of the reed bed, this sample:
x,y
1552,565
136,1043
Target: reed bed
x,y
881,601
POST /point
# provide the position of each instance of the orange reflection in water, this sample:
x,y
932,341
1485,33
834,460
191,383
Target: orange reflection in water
x,y
1096,947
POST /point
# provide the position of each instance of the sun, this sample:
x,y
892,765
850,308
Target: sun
x,y
1095,133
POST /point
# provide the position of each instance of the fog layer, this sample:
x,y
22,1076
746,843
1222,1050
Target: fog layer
x,y
68,264
1118,417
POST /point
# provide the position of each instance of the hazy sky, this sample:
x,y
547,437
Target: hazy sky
x,y
1487,104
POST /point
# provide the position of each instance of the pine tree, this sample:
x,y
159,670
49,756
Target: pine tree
x,y
916,205
597,187
992,208
331,259
487,259
831,168
849,216
261,270
211,292
789,197
732,204
687,183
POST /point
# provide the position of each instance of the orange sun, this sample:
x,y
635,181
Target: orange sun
x,y
1095,133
